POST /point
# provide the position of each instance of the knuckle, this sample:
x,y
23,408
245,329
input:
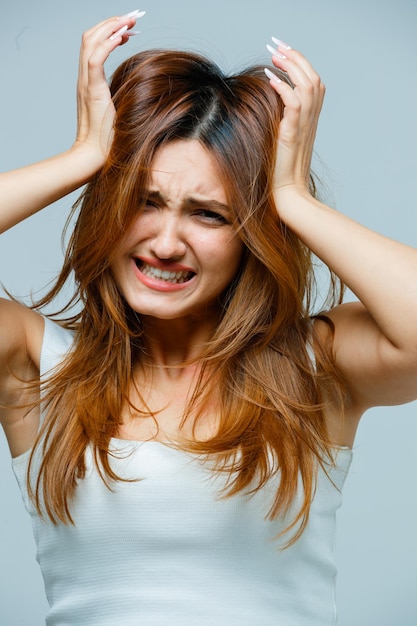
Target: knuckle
x,y
310,88
92,63
296,106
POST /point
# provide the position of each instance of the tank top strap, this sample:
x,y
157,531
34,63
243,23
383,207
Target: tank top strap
x,y
310,344
56,343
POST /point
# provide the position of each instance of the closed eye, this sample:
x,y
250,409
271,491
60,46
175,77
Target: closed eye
x,y
211,216
150,204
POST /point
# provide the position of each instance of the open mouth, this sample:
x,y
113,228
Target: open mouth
x,y
168,276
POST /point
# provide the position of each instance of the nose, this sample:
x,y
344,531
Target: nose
x,y
168,241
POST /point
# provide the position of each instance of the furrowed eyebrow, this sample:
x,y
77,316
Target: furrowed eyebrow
x,y
207,204
153,194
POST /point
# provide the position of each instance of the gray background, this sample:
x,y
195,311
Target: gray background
x,y
366,52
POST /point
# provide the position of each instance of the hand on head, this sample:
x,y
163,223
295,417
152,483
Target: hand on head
x,y
298,127
95,107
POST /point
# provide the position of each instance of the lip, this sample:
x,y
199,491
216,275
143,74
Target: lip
x,y
161,285
164,265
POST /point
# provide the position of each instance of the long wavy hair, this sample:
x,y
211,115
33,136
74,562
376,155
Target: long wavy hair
x,y
271,412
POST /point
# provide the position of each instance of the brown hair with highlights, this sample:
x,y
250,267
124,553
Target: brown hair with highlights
x,y
271,410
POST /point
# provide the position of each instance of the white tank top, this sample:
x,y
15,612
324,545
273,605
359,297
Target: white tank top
x,y
168,550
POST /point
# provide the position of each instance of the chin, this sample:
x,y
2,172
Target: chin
x,y
203,313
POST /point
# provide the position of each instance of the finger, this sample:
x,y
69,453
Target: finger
x,y
97,43
309,85
302,104
299,70
304,101
109,26
284,51
108,34
289,126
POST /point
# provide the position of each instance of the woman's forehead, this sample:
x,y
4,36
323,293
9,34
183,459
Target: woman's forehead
x,y
183,170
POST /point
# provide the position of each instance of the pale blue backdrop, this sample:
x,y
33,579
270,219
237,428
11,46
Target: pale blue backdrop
x,y
366,51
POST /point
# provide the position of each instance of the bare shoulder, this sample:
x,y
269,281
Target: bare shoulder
x,y
21,335
341,414
375,372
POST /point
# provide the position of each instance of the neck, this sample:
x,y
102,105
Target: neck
x,y
171,343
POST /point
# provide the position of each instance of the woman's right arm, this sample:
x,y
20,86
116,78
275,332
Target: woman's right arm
x,y
27,190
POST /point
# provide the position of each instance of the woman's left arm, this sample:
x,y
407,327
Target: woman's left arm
x,y
375,341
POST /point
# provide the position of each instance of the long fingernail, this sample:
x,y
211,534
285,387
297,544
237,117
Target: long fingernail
x,y
136,14
272,76
119,32
131,33
275,53
280,43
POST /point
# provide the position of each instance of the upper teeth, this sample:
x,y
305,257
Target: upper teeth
x,y
154,272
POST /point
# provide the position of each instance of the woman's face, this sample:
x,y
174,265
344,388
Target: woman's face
x,y
181,252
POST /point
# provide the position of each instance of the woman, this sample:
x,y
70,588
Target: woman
x,y
196,421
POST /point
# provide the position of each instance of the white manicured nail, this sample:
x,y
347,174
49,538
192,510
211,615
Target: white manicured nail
x,y
272,76
136,14
119,32
275,53
280,43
